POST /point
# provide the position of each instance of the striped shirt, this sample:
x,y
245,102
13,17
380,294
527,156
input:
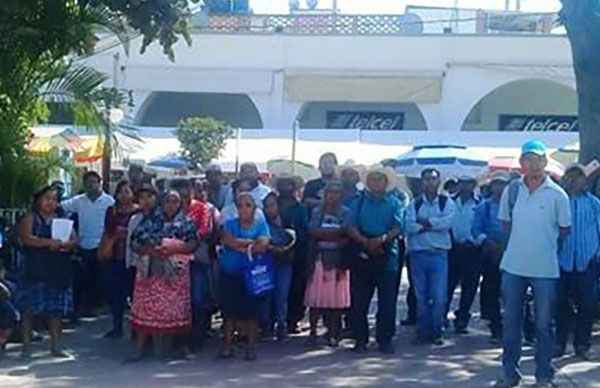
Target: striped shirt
x,y
583,244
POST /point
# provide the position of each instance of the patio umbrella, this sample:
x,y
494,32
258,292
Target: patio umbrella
x,y
567,155
172,162
282,166
511,163
450,160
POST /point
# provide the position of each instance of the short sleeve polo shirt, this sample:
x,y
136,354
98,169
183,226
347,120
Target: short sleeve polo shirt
x,y
536,220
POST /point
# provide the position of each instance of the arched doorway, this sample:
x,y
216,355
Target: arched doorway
x,y
358,115
166,109
526,105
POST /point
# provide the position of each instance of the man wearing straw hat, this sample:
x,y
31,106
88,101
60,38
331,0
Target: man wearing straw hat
x,y
490,235
376,221
428,227
464,259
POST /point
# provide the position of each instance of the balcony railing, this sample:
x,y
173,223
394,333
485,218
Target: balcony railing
x,y
465,22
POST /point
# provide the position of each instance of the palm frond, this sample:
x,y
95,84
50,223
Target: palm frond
x,y
102,16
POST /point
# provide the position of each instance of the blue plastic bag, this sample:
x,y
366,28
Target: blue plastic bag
x,y
259,274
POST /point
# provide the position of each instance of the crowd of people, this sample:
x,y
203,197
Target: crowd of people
x,y
178,255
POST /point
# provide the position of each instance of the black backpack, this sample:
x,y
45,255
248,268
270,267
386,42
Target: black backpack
x,y
442,203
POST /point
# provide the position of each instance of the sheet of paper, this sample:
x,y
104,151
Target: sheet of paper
x,y
61,229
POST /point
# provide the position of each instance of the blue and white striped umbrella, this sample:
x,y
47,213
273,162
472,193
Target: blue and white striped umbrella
x,y
452,161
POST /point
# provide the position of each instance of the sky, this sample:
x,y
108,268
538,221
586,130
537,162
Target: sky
x,y
397,6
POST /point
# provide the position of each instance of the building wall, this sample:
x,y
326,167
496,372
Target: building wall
x,y
469,66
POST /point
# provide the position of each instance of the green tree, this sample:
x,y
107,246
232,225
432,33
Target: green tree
x,y
202,138
40,40
582,21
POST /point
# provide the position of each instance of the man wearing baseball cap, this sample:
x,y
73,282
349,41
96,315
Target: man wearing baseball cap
x,y
579,259
537,212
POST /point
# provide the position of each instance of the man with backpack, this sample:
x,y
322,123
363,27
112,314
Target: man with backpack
x,y
428,227
537,212
464,260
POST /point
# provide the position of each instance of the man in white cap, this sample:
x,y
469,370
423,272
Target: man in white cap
x,y
490,235
579,259
464,261
537,212
428,227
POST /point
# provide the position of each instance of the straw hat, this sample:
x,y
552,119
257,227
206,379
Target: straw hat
x,y
298,181
388,172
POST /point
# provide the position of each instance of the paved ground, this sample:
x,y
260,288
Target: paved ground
x,y
466,361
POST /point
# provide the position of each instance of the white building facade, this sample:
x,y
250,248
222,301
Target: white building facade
x,y
389,89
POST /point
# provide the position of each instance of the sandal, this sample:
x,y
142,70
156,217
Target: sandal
x,y
225,354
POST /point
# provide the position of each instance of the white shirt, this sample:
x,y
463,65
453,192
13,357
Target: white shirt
x,y
258,193
90,215
537,217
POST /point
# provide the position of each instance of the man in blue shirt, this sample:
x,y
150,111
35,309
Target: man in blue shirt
x,y
579,254
428,227
464,260
491,236
376,222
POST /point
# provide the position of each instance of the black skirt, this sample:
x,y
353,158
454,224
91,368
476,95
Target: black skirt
x,y
236,302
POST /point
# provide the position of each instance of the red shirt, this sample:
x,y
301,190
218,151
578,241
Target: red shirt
x,y
200,215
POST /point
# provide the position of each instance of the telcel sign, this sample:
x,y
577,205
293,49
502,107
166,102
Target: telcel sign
x,y
374,121
538,123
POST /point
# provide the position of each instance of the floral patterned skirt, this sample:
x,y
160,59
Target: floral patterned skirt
x,y
162,305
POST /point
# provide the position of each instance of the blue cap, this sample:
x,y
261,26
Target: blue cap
x,y
535,147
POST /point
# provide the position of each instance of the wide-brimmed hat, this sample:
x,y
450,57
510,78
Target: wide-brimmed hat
x,y
296,179
576,167
388,172
466,178
502,176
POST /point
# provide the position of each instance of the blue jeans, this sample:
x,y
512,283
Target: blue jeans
x,y
363,284
283,281
275,305
200,284
116,280
513,297
430,277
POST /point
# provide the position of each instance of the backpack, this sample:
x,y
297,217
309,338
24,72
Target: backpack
x,y
442,203
513,195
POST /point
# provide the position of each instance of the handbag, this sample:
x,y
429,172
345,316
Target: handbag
x,y
259,274
106,250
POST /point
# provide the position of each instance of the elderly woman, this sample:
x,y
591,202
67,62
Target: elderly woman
x,y
240,236
45,284
164,242
328,287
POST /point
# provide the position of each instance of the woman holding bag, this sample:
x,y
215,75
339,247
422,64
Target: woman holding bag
x,y
112,254
241,237
164,242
